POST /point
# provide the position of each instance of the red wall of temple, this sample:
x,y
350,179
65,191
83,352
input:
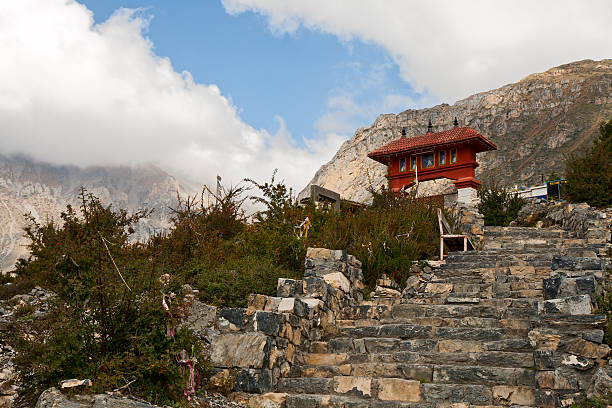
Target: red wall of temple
x,y
463,167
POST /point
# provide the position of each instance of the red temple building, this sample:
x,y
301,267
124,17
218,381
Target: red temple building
x,y
449,154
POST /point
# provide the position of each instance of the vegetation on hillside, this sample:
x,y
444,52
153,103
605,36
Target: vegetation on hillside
x,y
589,174
498,205
109,322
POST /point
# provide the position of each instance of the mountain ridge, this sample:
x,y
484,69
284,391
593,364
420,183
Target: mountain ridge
x,y
535,122
44,190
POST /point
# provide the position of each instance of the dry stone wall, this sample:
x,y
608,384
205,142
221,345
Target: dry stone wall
x,y
259,344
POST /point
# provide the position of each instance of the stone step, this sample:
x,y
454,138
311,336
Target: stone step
x,y
487,308
461,286
348,391
347,345
430,358
473,257
411,331
338,401
519,241
484,322
491,272
527,231
499,262
567,247
431,395
526,251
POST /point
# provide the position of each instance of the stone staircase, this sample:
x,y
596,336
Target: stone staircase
x,y
478,333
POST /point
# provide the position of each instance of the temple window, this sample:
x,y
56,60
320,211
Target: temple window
x,y
413,163
402,166
453,156
442,157
427,160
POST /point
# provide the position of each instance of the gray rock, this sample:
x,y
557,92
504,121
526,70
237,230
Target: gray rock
x,y
53,398
253,381
551,287
575,263
544,359
575,305
596,336
235,316
413,281
200,317
601,384
267,322
315,286
288,287
245,350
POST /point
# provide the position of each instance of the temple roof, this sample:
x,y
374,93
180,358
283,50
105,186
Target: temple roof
x,y
451,136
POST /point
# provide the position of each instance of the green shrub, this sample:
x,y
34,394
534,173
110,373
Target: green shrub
x,y
589,174
497,205
108,323
230,284
386,236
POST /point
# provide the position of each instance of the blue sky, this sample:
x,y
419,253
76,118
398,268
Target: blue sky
x,y
267,74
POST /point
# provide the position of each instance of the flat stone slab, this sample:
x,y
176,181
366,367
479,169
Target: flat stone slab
x,y
245,350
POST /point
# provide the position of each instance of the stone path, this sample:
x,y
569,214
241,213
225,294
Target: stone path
x,y
510,325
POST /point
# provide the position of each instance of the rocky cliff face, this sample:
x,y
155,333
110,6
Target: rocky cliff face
x,y
535,124
27,186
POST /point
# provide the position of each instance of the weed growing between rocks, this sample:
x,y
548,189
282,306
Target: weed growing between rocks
x,y
594,403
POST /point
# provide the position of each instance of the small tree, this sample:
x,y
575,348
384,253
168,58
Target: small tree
x,y
589,175
498,206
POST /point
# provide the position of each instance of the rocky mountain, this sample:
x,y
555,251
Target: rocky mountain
x,y
28,186
535,123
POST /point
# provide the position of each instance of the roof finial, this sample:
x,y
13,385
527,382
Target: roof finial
x,y
429,127
456,122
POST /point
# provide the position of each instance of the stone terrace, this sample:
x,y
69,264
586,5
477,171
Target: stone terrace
x,y
509,325
491,328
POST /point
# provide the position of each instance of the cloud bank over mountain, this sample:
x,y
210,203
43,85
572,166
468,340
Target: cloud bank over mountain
x,y
452,49
76,92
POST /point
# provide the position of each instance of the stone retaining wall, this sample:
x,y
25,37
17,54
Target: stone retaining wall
x,y
260,343
587,222
470,222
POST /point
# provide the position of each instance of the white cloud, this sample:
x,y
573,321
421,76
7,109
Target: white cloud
x,y
72,92
452,49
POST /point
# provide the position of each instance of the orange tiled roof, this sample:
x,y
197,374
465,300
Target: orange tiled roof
x,y
446,137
